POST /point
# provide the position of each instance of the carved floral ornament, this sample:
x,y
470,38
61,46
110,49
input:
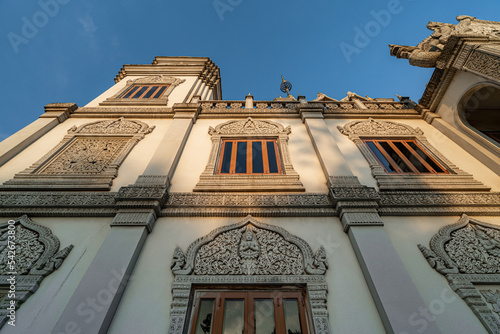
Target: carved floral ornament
x,y
159,79
37,255
468,254
249,253
373,128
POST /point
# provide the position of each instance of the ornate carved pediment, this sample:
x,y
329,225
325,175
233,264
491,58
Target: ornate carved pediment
x,y
249,248
468,254
249,127
29,252
468,247
118,126
372,127
36,248
158,79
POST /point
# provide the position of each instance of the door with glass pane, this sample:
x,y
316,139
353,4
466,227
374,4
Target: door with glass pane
x,y
249,312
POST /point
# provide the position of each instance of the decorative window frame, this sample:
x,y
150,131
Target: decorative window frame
x,y
29,278
466,274
456,180
172,82
124,133
249,128
184,268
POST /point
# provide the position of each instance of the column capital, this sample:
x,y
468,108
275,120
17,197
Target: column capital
x,y
310,110
186,110
60,111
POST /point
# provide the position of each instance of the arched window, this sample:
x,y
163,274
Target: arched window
x,y
480,111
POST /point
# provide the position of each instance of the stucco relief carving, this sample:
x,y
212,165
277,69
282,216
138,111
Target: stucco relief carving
x,y
493,299
373,127
469,247
249,128
37,255
249,248
250,253
468,252
456,179
159,79
484,64
87,157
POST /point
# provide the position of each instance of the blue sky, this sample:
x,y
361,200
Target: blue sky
x,y
75,48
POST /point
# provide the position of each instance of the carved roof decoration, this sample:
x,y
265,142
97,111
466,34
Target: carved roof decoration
x,y
372,127
323,97
468,246
427,52
249,126
117,126
158,79
36,248
249,247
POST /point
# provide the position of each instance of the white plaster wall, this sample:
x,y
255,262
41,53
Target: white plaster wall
x,y
133,166
177,95
449,149
461,83
349,299
451,313
42,310
140,156
197,150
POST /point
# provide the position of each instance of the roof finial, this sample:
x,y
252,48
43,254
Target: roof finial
x,y
285,86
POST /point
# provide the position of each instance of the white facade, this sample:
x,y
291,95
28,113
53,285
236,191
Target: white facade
x,y
137,187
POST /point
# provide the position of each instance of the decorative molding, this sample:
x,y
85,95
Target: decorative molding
x,y
87,158
468,253
149,80
256,212
373,129
249,253
401,203
37,255
122,111
289,180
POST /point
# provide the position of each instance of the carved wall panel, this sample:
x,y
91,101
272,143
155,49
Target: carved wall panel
x,y
172,82
32,255
250,253
248,129
87,158
468,254
377,129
